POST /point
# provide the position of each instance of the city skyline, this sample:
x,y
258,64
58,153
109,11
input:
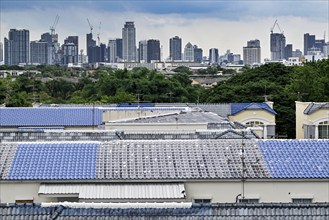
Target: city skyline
x,y
217,24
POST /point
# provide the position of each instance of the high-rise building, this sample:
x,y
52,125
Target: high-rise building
x,y
114,50
69,54
73,40
309,42
213,56
252,52
175,48
319,43
197,54
1,52
153,50
288,51
53,48
129,42
297,53
189,52
277,47
102,48
39,52
142,51
312,44
17,47
90,43
119,48
47,38
326,50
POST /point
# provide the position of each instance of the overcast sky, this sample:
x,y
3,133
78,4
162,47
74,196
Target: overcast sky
x,y
221,24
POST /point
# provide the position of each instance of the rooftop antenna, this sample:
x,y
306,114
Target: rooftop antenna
x,y
52,28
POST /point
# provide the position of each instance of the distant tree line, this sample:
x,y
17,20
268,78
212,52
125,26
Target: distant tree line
x,y
278,83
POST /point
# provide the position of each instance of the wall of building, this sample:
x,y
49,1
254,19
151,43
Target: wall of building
x,y
10,192
224,191
263,116
304,121
132,114
265,191
155,127
253,115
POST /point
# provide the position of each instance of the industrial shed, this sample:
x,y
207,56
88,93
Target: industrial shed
x,y
205,171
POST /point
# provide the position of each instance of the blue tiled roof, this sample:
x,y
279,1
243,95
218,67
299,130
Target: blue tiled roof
x,y
50,116
54,161
177,159
238,107
296,158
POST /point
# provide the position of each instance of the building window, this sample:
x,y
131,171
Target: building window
x,y
246,200
302,200
254,124
202,200
323,130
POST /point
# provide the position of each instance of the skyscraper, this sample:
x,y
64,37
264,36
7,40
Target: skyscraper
x,y
73,40
288,51
114,50
197,54
189,52
119,49
129,42
1,52
252,52
90,43
309,42
175,48
17,47
142,51
153,50
277,47
213,56
39,52
70,53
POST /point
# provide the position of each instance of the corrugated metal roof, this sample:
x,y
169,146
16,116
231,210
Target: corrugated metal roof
x,y
116,191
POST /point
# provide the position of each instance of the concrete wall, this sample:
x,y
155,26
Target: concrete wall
x,y
224,191
132,114
253,115
265,191
10,192
155,127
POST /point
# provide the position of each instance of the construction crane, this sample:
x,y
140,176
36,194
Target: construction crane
x,y
91,27
276,24
52,28
99,32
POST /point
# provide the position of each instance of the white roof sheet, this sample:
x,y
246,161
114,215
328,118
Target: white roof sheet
x,y
116,191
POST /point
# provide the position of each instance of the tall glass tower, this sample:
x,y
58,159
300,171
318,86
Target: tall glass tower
x,y
17,47
175,48
277,47
129,42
